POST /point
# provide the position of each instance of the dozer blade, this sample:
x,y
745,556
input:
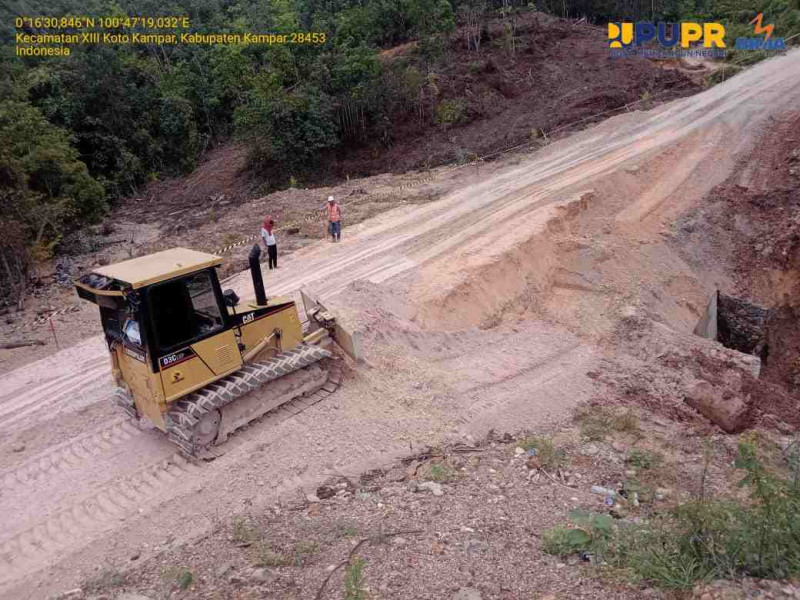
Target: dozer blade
x,y
318,314
208,416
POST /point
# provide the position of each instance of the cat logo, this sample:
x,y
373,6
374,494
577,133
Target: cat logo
x,y
177,376
248,318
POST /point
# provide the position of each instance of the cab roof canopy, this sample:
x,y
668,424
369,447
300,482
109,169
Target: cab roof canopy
x,y
146,270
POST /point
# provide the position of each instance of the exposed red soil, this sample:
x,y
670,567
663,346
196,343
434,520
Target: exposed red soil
x,y
756,216
559,73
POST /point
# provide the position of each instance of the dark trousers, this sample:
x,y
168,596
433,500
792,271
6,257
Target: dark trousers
x,y
272,252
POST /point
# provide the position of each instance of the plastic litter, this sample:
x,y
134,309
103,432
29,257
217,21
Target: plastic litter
x,y
601,491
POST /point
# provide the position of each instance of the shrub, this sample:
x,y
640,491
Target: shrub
x,y
644,459
596,422
441,473
704,540
588,532
550,456
451,112
355,581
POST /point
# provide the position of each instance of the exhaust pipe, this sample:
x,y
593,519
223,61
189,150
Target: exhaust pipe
x,y
255,271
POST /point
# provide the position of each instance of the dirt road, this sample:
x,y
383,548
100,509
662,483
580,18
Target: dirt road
x,y
485,309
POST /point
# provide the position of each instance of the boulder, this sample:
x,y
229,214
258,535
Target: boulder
x,y
722,407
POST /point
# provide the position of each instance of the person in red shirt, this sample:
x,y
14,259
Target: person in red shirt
x,y
334,219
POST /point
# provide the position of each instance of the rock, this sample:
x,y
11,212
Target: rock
x,y
466,593
435,488
135,556
774,422
630,473
411,469
412,486
262,575
133,596
324,492
18,448
591,450
601,491
723,408
312,498
437,548
395,475
519,451
618,512
474,546
618,446
223,570
632,170
662,493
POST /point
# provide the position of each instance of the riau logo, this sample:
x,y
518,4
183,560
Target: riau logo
x,y
669,35
757,43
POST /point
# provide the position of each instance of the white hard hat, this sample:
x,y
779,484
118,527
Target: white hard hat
x,y
330,198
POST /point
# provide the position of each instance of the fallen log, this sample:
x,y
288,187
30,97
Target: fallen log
x,y
21,344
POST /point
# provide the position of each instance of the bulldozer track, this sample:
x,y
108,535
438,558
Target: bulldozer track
x,y
114,500
188,412
111,502
285,411
69,455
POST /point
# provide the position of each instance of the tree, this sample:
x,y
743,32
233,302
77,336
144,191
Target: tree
x,y
44,190
287,131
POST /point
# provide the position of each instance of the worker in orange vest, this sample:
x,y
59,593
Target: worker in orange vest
x,y
334,219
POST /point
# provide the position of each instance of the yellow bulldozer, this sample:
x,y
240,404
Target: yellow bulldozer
x,y
200,362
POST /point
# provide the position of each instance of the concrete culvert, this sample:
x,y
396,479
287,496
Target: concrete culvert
x,y
734,323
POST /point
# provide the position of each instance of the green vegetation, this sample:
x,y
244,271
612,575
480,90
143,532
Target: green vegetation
x,y
644,459
441,473
587,533
244,532
304,550
107,579
355,580
596,422
703,539
263,555
80,131
550,456
451,112
179,575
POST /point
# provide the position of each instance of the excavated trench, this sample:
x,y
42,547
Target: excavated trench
x,y
773,335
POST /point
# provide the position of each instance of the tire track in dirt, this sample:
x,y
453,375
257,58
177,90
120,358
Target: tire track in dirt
x,y
439,229
69,455
70,525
